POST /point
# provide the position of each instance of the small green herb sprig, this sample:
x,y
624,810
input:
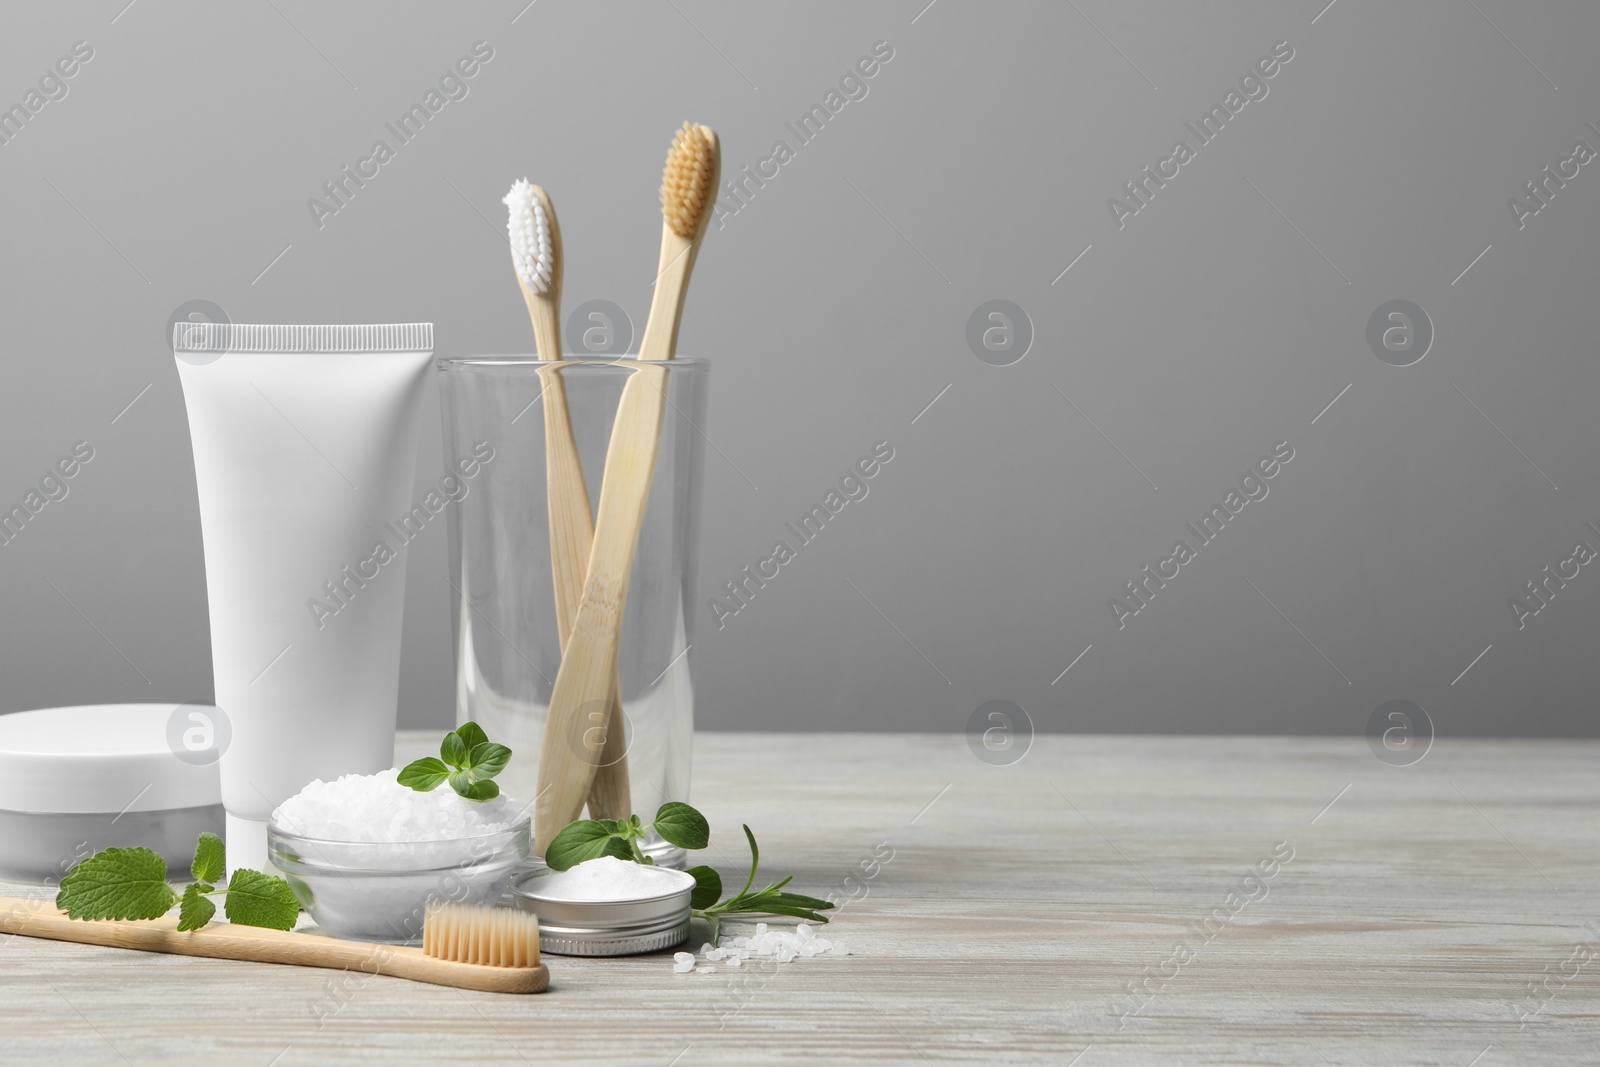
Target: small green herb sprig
x,y
467,760
681,825
131,883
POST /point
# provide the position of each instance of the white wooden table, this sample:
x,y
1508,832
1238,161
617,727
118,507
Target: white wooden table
x,y
1444,913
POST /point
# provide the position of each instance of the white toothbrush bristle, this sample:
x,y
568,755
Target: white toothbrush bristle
x,y
529,229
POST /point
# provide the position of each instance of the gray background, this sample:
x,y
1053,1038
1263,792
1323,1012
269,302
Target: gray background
x,y
1222,319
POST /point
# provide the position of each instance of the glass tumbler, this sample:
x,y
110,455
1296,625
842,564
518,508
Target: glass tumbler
x,y
507,644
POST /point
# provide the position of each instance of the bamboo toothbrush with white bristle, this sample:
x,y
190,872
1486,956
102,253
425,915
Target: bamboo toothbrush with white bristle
x,y
688,189
537,254
495,950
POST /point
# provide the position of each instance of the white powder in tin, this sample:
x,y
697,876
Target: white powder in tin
x,y
376,807
608,878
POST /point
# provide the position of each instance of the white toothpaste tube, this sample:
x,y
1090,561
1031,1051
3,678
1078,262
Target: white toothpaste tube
x,y
305,444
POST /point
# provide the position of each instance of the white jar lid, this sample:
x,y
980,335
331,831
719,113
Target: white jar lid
x,y
111,758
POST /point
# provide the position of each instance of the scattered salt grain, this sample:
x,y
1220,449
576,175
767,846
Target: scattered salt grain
x,y
766,943
682,962
708,970
608,878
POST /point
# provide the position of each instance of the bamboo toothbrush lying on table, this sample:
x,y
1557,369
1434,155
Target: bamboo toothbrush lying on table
x,y
589,661
494,950
537,254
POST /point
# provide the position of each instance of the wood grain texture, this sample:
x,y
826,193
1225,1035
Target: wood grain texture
x,y
1017,906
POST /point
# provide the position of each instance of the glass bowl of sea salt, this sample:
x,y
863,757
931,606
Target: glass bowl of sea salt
x,y
366,855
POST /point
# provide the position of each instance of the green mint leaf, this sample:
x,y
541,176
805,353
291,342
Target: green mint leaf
x,y
454,750
209,864
194,911
613,826
488,759
471,735
464,784
585,839
117,883
681,825
755,860
424,774
707,887
256,899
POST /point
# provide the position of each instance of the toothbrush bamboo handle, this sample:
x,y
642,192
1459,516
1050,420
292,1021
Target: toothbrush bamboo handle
x,y
660,340
571,524
569,755
227,941
571,538
610,794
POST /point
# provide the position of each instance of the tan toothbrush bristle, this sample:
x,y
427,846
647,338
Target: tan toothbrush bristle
x,y
489,937
686,185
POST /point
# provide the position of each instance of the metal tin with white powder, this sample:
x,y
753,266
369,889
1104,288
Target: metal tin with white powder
x,y
605,928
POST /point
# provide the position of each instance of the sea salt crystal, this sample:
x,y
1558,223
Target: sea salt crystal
x,y
682,962
376,807
608,878
767,943
439,828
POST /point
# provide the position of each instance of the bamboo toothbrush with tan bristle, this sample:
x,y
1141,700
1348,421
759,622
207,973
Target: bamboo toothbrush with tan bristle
x,y
537,254
688,189
494,950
